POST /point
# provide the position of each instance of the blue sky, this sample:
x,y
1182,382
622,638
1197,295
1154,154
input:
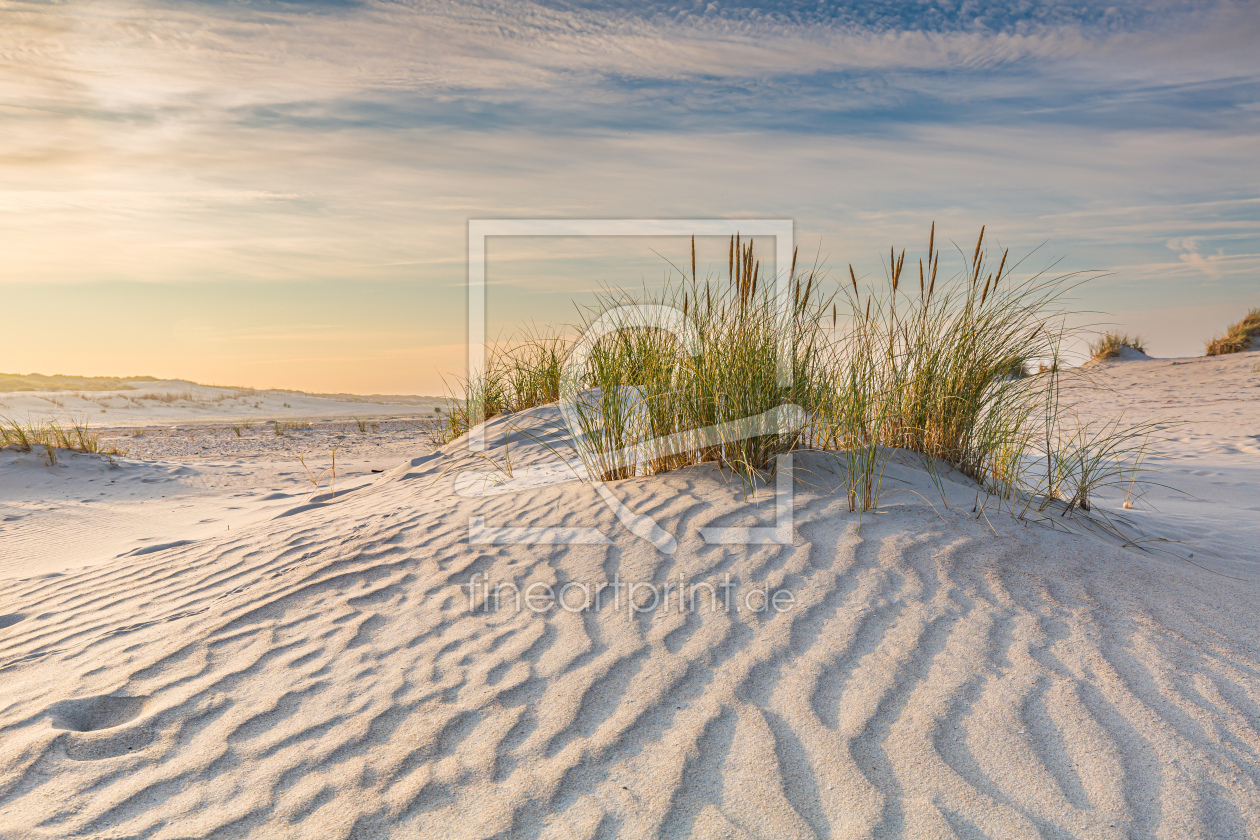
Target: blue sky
x,y
276,193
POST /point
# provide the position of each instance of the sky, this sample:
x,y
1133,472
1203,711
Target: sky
x,y
277,194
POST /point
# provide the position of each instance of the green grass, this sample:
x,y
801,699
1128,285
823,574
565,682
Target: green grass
x,y
1238,338
937,366
1109,344
924,362
647,399
520,374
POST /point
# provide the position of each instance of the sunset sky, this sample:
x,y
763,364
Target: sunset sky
x,y
277,193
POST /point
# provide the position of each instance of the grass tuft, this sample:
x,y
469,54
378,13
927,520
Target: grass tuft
x,y
72,434
930,362
521,373
1243,336
282,426
651,399
1108,345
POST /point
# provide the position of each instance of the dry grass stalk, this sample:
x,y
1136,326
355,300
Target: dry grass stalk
x,y
1243,336
316,480
71,434
1109,345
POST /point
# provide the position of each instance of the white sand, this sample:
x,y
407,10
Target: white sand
x,y
168,402
319,674
1123,353
1210,460
182,484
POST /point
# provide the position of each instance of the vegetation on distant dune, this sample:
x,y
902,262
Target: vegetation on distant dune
x,y
1245,335
10,382
1109,345
929,364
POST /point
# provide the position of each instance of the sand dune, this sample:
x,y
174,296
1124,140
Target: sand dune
x,y
1206,490
322,673
147,403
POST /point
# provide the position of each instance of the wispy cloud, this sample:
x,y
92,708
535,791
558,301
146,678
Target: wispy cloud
x,y
349,142
121,59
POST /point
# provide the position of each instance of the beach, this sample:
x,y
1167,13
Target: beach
x,y
199,640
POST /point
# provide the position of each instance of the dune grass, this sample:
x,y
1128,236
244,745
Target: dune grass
x,y
1109,344
280,427
520,373
317,479
721,385
721,370
938,366
1240,337
10,382
71,434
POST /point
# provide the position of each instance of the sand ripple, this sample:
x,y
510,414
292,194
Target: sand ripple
x,y
321,675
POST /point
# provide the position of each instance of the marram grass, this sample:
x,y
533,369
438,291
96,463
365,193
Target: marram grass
x,y
1243,336
656,400
519,375
930,362
1109,344
72,435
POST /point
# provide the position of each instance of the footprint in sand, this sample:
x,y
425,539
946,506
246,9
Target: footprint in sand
x,y
95,726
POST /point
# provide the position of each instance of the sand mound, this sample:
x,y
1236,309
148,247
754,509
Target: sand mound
x,y
1122,354
1129,354
324,674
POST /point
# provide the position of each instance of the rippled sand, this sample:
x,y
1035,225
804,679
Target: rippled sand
x,y
319,673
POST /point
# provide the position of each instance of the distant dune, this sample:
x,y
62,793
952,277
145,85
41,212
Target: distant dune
x,y
145,401
61,382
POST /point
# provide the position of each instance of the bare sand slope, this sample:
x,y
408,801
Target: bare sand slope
x,y
187,484
321,675
1206,488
